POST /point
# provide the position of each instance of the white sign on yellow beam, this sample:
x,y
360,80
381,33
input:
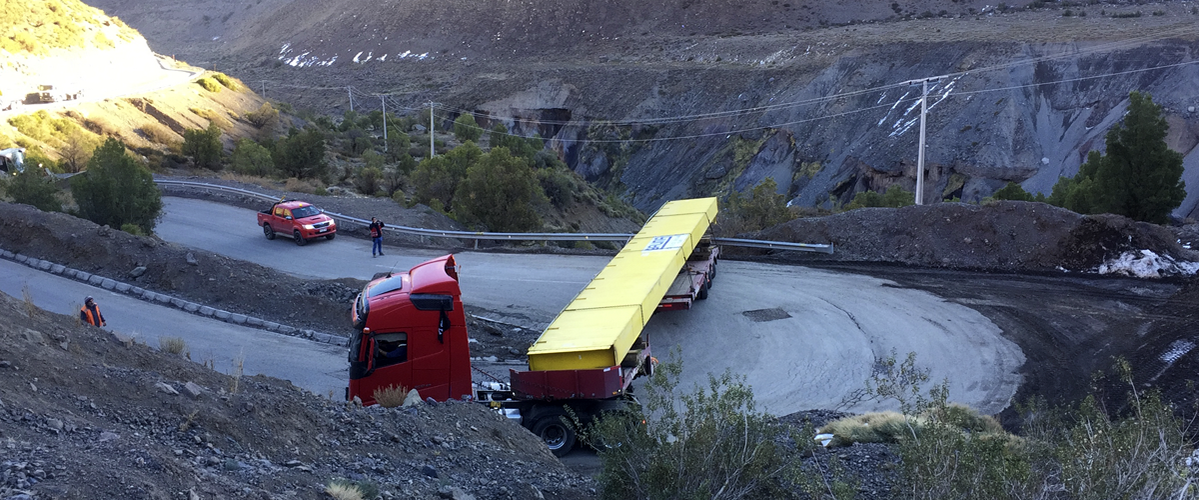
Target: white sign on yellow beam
x,y
599,326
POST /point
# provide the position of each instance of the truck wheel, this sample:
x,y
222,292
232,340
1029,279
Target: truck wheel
x,y
558,435
703,291
268,232
330,236
300,241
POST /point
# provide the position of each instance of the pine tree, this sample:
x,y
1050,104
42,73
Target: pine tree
x,y
1139,177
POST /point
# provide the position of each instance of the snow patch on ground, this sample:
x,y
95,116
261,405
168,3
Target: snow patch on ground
x,y
305,59
1147,264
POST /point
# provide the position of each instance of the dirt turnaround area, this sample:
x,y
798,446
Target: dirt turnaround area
x,y
85,414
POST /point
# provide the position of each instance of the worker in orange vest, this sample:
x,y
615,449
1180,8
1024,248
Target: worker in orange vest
x,y
90,312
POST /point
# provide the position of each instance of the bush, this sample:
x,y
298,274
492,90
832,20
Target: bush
x,y
310,186
251,158
895,197
368,180
499,192
466,129
204,146
209,84
115,190
34,187
302,153
1013,191
762,209
266,118
226,81
713,443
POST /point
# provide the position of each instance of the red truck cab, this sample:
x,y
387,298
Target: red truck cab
x,y
411,333
302,220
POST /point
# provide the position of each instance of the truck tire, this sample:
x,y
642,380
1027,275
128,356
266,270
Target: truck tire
x,y
300,241
703,291
555,432
330,236
268,232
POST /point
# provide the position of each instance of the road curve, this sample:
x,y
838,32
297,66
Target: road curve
x,y
815,338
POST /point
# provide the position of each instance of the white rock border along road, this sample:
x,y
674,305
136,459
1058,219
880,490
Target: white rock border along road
x,y
815,340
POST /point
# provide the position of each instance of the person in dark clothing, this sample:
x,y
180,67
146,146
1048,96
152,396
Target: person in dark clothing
x,y
90,313
376,228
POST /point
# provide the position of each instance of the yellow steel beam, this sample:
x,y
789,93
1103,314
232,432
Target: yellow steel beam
x,y
599,326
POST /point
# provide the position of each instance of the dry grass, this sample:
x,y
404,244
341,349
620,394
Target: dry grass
x,y
187,424
309,186
238,365
341,490
248,179
391,397
30,307
157,133
173,345
881,427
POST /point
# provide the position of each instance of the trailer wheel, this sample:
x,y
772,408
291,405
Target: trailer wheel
x,y
299,238
703,290
268,232
555,432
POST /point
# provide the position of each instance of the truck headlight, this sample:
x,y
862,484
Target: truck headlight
x,y
308,227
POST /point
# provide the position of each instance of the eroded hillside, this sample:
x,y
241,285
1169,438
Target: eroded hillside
x,y
704,96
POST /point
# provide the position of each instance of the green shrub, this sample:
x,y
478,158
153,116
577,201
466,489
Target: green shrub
x,y
301,154
466,128
1012,191
115,190
713,443
209,84
266,117
204,146
34,187
251,158
368,180
763,208
895,197
499,192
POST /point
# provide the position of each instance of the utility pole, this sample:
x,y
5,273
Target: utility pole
x,y
383,99
431,150
350,90
920,155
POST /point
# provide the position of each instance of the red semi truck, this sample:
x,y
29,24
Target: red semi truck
x,y
411,330
300,220
411,333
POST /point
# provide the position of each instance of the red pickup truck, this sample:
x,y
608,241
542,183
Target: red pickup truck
x,y
301,220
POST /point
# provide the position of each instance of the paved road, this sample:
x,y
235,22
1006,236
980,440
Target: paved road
x,y
320,368
830,327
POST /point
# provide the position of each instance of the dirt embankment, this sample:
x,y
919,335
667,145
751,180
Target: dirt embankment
x,y
85,415
1011,236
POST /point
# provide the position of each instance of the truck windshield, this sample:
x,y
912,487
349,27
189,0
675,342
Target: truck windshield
x,y
305,211
391,284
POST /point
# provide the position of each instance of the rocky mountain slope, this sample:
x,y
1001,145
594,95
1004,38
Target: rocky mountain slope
x,y
704,96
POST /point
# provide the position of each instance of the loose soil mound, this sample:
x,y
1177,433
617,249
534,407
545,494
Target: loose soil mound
x,y
1005,236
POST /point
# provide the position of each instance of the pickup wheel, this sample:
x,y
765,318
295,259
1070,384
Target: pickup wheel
x,y
555,432
300,241
330,236
268,232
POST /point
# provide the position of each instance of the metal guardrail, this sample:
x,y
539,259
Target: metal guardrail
x,y
478,235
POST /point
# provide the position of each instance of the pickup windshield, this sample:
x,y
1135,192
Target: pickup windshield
x,y
305,211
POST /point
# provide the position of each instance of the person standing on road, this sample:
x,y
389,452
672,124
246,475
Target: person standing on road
x,y
376,228
90,313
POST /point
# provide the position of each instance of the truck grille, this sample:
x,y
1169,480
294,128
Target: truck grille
x,y
319,225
